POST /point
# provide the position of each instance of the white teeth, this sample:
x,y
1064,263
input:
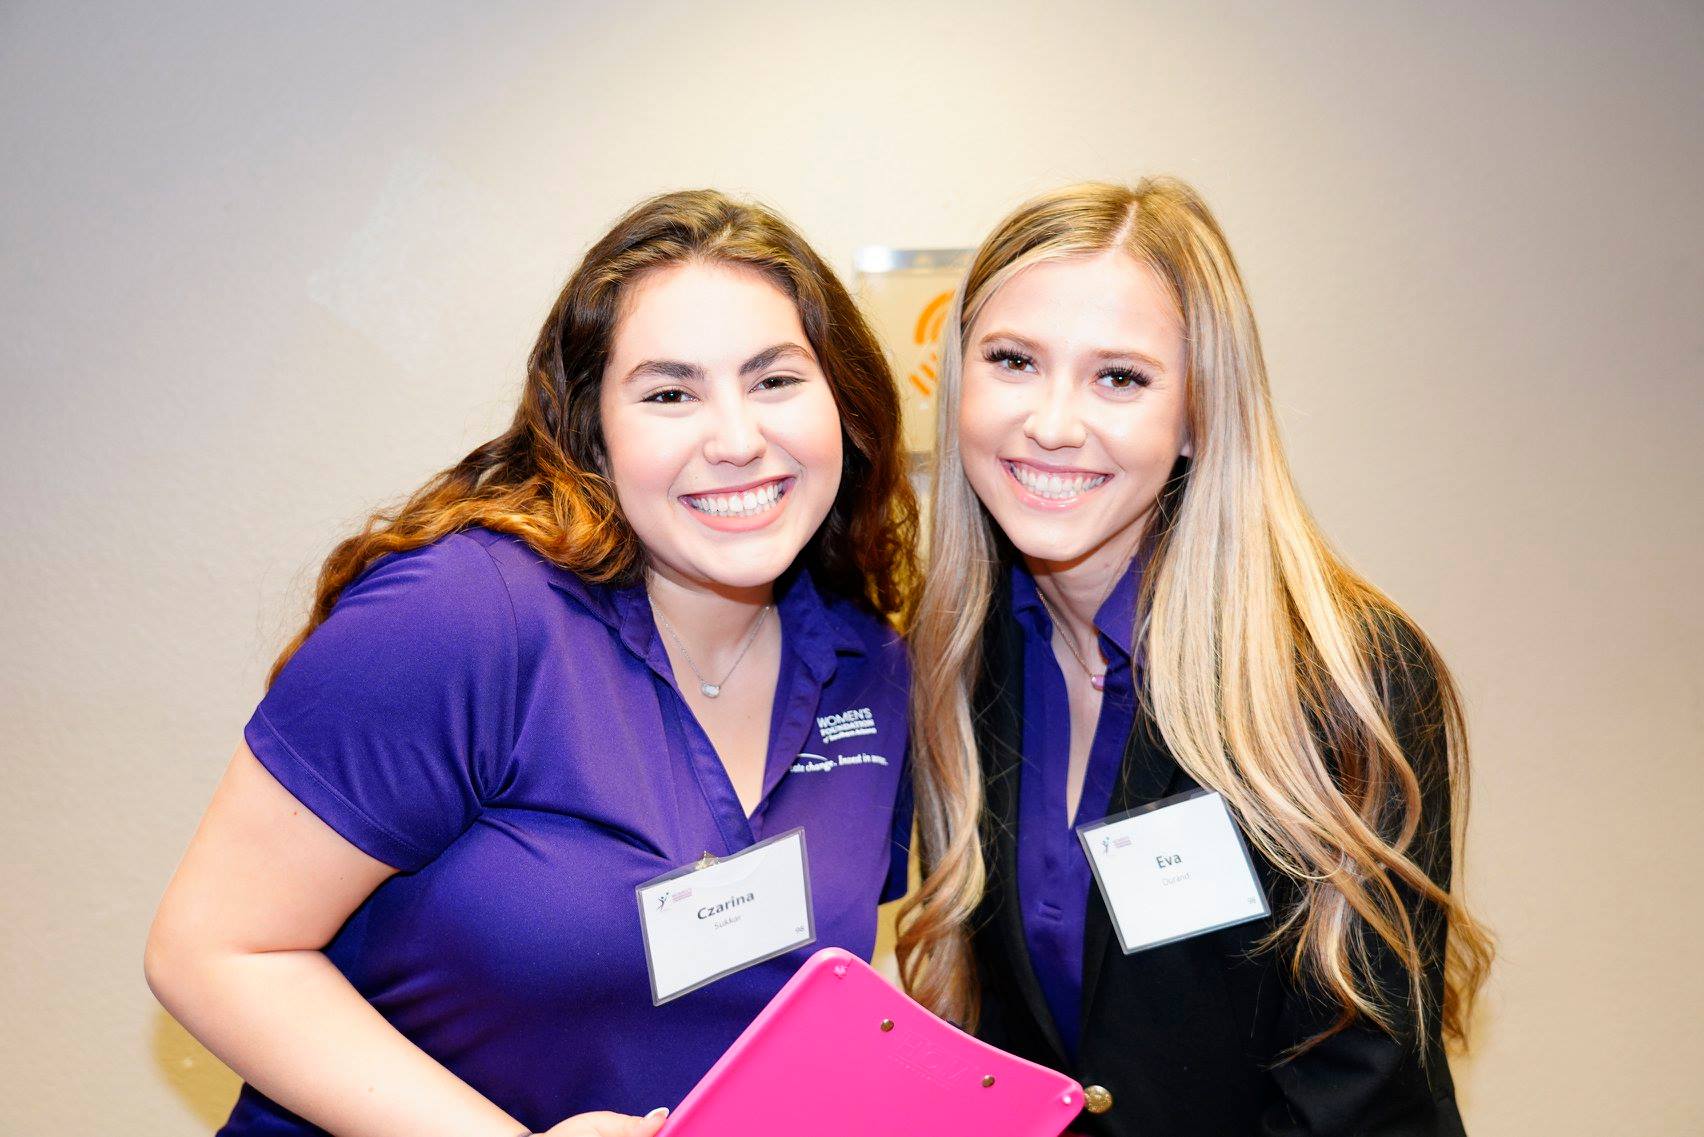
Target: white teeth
x,y
1057,487
742,504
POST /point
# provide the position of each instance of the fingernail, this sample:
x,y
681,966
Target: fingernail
x,y
660,1111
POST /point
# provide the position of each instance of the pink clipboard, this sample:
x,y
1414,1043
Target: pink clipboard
x,y
838,1052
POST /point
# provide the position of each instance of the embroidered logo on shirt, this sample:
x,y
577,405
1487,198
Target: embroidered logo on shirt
x,y
822,763
846,724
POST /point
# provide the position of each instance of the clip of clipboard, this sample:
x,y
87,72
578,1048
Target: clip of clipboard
x,y
838,1052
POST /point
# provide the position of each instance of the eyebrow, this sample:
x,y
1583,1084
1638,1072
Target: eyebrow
x,y
676,369
769,355
1104,353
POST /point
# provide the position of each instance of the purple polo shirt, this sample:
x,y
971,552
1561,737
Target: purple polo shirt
x,y
512,739
1054,877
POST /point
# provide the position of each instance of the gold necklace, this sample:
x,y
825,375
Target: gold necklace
x,y
1098,682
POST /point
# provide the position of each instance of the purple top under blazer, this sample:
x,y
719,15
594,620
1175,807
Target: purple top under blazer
x,y
512,739
1054,877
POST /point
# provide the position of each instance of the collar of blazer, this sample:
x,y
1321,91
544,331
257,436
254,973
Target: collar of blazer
x,y
1148,773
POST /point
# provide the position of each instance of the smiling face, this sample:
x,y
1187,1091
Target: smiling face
x,y
722,434
1073,408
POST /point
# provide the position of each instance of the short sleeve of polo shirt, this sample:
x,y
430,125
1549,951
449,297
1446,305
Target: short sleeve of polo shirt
x,y
398,709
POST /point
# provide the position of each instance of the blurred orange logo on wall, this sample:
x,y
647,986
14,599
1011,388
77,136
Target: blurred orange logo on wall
x,y
928,336
906,295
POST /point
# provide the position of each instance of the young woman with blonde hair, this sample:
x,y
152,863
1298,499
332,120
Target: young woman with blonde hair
x,y
1127,602
579,659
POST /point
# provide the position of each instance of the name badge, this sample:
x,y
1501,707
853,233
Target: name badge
x,y
1173,869
717,916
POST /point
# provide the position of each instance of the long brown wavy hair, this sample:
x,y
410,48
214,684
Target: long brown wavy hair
x,y
543,480
1276,674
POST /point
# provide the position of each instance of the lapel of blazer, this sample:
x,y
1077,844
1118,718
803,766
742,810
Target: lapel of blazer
x,y
1000,728
1148,774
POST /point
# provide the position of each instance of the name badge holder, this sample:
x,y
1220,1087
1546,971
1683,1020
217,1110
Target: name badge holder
x,y
1173,869
718,915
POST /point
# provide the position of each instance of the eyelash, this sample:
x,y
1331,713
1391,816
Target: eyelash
x,y
1004,357
767,383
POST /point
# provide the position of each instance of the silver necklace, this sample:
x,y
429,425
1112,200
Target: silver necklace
x,y
711,690
1098,682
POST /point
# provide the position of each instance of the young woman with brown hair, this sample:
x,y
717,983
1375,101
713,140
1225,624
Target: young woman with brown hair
x,y
590,652
1126,604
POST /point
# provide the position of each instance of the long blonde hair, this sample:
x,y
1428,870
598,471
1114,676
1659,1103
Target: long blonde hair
x,y
1272,668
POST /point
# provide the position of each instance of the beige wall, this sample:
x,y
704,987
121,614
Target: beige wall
x,y
264,265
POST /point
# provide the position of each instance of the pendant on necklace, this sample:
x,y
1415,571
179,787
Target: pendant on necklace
x,y
1098,682
711,690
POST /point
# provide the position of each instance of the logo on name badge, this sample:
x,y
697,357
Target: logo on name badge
x,y
846,724
672,896
1111,844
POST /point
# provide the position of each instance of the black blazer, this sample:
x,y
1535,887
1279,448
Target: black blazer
x,y
1188,1039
